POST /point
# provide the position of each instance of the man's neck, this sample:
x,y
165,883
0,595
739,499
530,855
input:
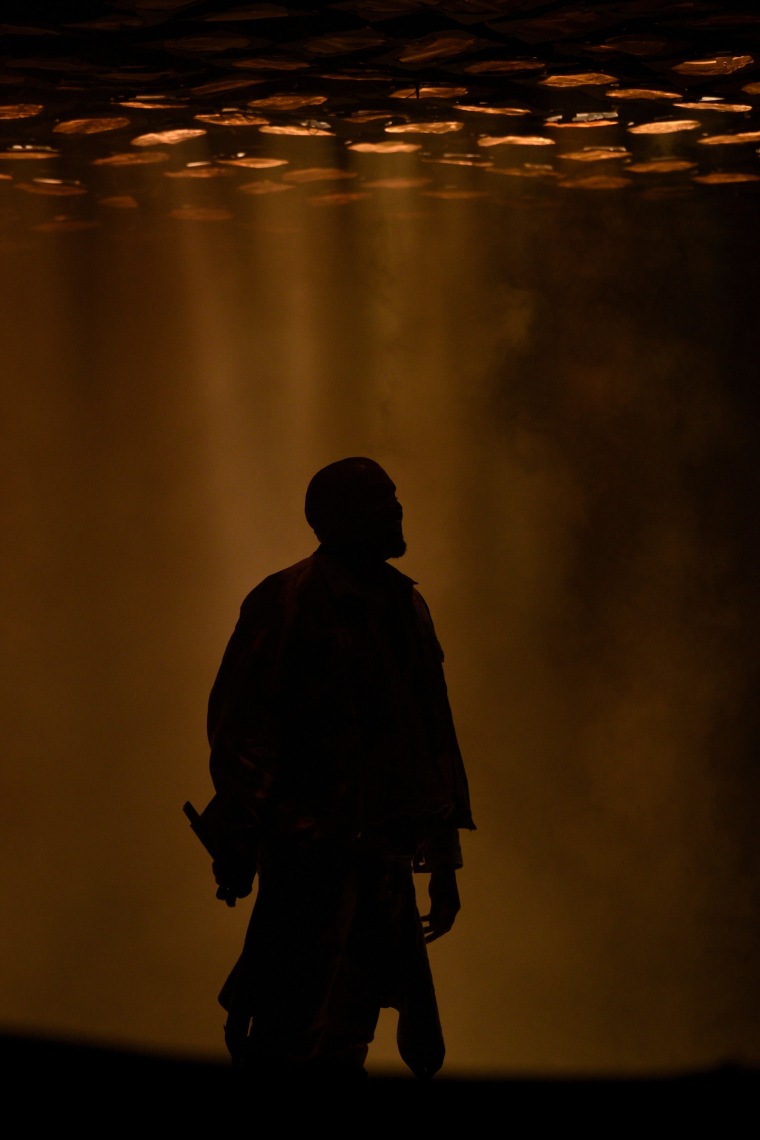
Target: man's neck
x,y
359,563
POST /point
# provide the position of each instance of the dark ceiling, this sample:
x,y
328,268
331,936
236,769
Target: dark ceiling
x,y
453,100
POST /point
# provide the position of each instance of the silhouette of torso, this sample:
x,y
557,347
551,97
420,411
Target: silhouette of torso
x,y
329,722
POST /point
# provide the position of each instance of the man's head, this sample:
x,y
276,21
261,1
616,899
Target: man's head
x,y
352,507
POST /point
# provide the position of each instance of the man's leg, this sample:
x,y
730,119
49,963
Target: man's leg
x,y
294,947
368,972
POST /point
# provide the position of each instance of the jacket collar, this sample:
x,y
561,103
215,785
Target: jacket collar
x,y
342,582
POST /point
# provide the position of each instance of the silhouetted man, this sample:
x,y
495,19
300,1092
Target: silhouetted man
x,y
337,773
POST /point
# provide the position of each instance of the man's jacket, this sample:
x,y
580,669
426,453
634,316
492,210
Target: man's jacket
x,y
329,716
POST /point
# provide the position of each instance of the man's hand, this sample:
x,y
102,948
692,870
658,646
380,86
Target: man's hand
x,y
444,903
233,878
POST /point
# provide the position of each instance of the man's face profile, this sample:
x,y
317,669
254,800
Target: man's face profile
x,y
352,507
381,517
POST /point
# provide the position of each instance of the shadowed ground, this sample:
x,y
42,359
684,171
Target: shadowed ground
x,y
67,1079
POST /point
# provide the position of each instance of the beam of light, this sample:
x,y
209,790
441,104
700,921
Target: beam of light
x,y
576,478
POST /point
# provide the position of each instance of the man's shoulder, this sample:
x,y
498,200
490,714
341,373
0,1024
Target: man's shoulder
x,y
422,614
278,585
421,607
404,584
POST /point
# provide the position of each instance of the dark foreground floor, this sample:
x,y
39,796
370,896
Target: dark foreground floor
x,y
104,1088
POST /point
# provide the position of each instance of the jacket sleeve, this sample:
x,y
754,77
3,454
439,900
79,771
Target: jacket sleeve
x,y
439,848
456,812
242,722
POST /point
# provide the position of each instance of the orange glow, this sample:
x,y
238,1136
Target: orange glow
x,y
716,108
515,140
557,366
27,154
90,126
219,85
717,65
263,186
385,148
641,93
721,178
254,162
669,127
19,110
366,116
296,131
741,138
335,199
662,166
317,174
463,160
474,108
503,66
581,79
597,154
136,158
437,128
119,202
526,170
145,104
204,171
168,138
582,127
396,183
440,45
425,92
232,119
597,182
287,102
51,188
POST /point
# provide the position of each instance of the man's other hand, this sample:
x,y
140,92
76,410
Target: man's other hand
x,y
233,878
444,903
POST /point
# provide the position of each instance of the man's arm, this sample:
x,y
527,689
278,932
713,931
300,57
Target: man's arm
x,y
444,902
241,716
441,855
241,732
231,840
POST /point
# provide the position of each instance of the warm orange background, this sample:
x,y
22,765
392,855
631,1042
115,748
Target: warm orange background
x,y
564,397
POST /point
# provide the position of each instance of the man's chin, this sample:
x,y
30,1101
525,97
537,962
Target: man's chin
x,y
398,550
